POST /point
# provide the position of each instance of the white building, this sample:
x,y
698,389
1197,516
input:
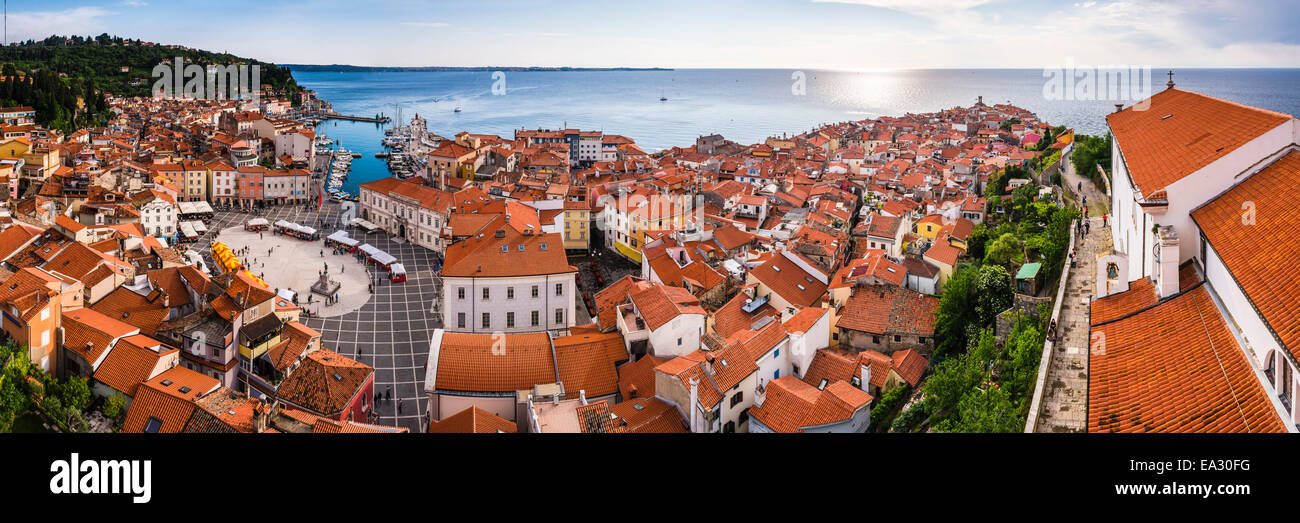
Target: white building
x,y
1203,190
408,210
157,213
668,320
509,277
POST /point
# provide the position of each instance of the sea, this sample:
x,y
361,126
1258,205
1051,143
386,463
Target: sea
x,y
744,105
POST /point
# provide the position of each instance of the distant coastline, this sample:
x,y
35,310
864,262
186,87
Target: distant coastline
x,y
341,68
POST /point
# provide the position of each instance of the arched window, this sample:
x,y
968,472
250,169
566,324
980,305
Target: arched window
x,y
1270,366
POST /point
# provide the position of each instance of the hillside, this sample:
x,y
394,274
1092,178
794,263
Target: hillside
x,y
100,61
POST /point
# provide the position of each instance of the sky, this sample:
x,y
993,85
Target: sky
x,y
853,35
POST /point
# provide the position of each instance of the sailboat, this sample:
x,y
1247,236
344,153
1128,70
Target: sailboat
x,y
662,98
457,110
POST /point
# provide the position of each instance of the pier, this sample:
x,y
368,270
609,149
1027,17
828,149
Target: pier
x,y
337,116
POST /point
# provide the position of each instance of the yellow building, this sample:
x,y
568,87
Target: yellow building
x,y
627,220
929,226
14,148
577,226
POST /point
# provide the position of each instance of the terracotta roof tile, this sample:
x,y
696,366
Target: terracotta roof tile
x,y
466,362
649,416
325,383
1181,132
472,421
1262,256
130,363
1174,367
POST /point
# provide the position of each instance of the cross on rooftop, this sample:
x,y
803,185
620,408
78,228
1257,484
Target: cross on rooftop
x,y
1170,84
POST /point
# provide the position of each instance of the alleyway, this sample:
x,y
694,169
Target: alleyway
x,y
1065,400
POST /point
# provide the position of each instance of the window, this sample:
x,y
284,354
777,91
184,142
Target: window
x,y
559,315
510,319
1284,385
737,398
776,374
486,293
559,289
487,320
460,293
153,425
536,318
1269,370
744,415
679,342
534,291
875,339
460,320
510,293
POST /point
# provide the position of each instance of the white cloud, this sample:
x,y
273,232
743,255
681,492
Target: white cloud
x,y
913,6
40,24
134,3
426,24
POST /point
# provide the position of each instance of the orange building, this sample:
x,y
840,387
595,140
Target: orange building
x,y
30,310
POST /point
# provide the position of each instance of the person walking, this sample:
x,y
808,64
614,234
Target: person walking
x,y
1103,219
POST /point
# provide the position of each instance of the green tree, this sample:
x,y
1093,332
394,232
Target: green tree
x,y
1006,250
956,311
987,410
115,406
993,293
75,393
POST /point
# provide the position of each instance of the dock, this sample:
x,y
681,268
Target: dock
x,y
337,116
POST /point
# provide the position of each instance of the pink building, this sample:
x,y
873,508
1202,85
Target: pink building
x,y
251,185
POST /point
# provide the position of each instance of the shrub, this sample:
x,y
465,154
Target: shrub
x,y
115,406
909,418
886,404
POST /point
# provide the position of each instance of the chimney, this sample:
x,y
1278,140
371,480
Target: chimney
x,y
695,398
582,396
631,392
866,379
1119,107
1166,261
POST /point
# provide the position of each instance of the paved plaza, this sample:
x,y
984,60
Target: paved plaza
x,y
390,331
287,262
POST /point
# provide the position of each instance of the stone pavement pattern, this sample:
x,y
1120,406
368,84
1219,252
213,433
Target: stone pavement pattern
x,y
390,331
1065,402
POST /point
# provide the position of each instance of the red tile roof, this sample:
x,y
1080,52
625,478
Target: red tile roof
x,y
659,304
325,383
791,405
172,412
482,255
88,333
789,280
472,421
886,309
467,362
1174,367
731,318
1262,256
586,362
130,363
636,379
649,416
1181,132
